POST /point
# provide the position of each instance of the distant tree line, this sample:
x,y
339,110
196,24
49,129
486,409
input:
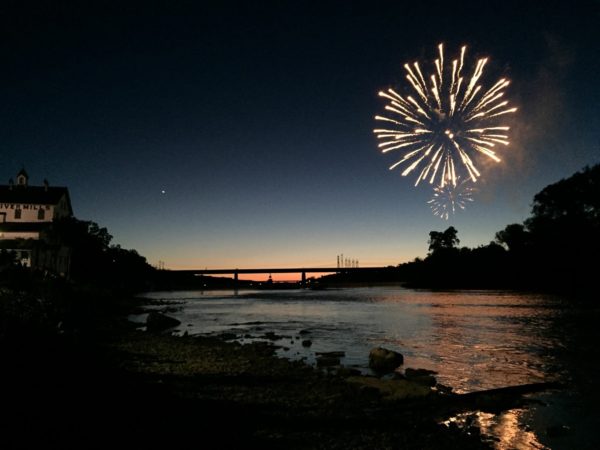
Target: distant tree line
x,y
94,261
557,246
555,249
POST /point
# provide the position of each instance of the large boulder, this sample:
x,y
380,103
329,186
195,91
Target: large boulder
x,y
384,361
157,322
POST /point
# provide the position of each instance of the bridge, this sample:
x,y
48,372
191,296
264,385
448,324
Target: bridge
x,y
301,270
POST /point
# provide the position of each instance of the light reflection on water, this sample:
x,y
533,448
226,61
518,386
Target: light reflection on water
x,y
507,428
474,340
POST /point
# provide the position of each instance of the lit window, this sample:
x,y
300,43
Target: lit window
x,y
17,213
41,214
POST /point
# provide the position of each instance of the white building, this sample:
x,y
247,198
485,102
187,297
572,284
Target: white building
x,y
25,212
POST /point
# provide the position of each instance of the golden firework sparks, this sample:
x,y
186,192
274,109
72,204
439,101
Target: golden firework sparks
x,y
450,122
448,199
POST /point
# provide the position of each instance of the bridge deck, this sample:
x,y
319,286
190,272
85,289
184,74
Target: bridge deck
x,y
280,270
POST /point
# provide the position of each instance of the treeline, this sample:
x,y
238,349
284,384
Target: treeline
x,y
95,261
555,249
96,264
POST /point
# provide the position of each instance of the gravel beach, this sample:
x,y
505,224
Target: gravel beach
x,y
112,385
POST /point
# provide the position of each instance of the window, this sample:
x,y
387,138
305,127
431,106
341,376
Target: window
x,y
41,214
17,213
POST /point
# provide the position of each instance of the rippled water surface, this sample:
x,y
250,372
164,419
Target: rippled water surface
x,y
474,340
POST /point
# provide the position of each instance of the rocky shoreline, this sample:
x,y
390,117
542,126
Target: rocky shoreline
x,y
275,403
301,406
116,385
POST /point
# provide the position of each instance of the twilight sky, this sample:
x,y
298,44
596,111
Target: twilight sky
x,y
255,119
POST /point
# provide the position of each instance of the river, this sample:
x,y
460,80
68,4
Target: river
x,y
473,339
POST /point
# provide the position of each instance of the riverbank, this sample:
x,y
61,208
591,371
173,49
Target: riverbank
x,y
111,385
268,402
105,383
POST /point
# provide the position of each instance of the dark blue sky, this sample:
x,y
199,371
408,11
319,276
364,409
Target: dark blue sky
x,y
256,119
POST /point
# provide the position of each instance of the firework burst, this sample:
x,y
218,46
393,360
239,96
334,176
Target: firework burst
x,y
447,123
449,199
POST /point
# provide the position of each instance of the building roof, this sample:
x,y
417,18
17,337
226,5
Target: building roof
x,y
38,195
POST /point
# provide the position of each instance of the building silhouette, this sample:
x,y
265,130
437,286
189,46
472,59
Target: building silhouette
x,y
26,212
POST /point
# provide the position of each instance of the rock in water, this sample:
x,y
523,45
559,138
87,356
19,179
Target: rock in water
x,y
156,322
384,361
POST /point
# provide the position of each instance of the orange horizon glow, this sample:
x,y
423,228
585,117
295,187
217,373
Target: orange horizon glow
x,y
264,277
294,267
276,277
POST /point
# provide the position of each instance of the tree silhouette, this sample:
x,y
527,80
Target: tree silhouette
x,y
514,237
573,198
565,230
94,260
446,240
553,250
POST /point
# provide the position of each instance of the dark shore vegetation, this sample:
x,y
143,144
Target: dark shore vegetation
x,y
552,251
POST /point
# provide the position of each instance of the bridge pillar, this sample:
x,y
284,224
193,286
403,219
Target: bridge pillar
x,y
303,283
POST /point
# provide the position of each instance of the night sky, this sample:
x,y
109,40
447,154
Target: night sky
x,y
239,134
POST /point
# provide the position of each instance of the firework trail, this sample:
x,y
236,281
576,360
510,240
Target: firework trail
x,y
449,199
448,122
